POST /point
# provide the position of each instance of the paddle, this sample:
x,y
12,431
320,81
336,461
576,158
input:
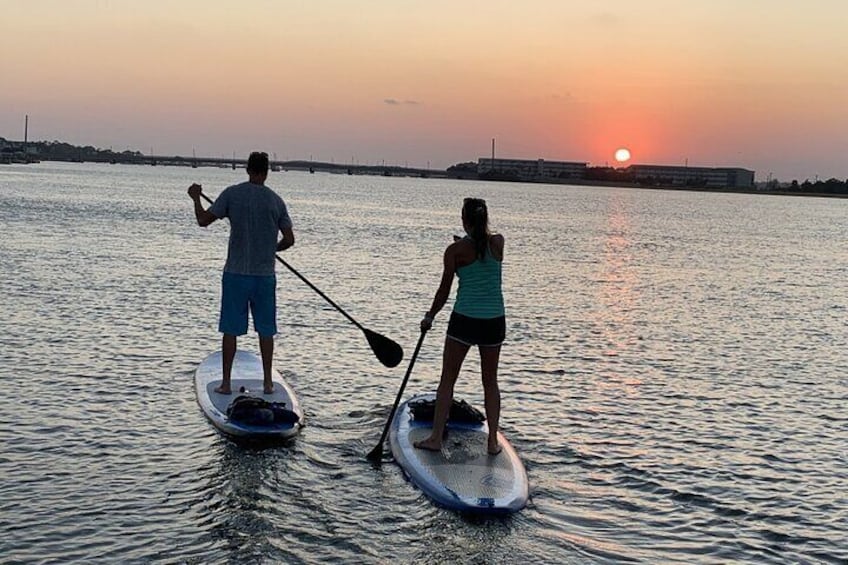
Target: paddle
x,y
387,351
377,453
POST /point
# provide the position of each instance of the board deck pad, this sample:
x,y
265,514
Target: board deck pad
x,y
462,476
247,375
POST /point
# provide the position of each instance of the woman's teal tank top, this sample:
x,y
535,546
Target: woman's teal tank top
x,y
480,294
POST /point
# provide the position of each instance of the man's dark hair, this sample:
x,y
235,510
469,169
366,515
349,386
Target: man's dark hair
x,y
257,163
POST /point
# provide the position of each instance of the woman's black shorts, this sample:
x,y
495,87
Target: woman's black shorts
x,y
477,331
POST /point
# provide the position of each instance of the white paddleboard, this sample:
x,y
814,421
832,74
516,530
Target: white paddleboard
x,y
462,476
246,375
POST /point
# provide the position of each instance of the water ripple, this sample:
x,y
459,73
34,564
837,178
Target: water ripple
x,y
674,377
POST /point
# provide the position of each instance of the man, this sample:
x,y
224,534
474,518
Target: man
x,y
256,214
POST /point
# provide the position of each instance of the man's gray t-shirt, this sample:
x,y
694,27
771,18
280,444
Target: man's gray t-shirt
x,y
256,215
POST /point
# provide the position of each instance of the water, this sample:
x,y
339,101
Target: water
x,y
675,376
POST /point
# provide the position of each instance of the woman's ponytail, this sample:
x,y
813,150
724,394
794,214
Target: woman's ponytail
x,y
476,216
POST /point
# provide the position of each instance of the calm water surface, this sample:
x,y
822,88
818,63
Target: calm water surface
x,y
676,375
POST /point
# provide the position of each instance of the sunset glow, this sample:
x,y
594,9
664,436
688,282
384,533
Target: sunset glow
x,y
622,155
384,82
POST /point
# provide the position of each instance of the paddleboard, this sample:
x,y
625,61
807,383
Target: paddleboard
x,y
246,380
462,476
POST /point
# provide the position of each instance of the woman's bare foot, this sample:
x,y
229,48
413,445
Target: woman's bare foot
x,y
223,389
429,444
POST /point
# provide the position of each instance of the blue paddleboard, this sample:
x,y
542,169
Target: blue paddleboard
x,y
247,377
462,476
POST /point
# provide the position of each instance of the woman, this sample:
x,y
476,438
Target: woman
x,y
477,318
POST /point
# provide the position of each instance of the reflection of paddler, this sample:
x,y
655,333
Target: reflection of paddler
x,y
478,317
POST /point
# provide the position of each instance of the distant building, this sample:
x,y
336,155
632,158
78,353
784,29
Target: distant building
x,y
18,152
708,177
19,146
530,169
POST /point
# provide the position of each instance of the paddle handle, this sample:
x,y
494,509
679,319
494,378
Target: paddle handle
x,y
377,452
324,296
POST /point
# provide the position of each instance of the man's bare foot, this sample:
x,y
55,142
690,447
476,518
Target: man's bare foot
x,y
268,389
223,389
429,444
494,449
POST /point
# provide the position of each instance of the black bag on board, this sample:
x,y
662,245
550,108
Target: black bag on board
x,y
255,411
460,412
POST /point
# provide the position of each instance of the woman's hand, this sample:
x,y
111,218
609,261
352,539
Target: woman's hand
x,y
426,322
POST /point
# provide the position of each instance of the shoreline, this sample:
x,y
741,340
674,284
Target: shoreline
x,y
412,172
605,184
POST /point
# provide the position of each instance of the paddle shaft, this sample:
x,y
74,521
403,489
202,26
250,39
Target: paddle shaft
x,y
309,284
377,452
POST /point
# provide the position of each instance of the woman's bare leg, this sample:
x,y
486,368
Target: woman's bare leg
x,y
452,358
489,357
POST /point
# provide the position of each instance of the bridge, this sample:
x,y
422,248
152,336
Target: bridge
x,y
297,165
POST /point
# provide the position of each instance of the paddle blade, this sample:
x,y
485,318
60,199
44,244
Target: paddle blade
x,y
387,351
376,454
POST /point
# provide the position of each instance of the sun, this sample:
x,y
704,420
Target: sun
x,y
622,154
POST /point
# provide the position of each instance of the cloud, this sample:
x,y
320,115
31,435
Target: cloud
x,y
396,102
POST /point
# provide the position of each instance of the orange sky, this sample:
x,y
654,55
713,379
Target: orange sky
x,y
754,83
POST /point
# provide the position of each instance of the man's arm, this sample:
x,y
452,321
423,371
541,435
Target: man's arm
x,y
204,217
287,241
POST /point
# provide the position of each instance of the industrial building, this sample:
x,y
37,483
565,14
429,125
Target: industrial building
x,y
530,169
707,177
649,175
